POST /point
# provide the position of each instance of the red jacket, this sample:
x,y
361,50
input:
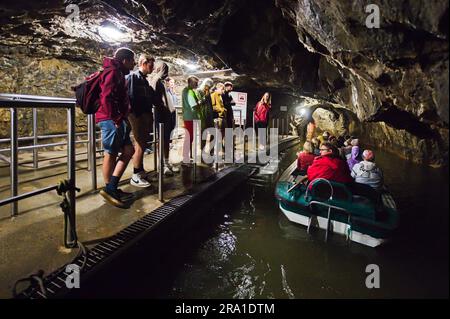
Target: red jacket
x,y
262,112
331,168
304,160
114,101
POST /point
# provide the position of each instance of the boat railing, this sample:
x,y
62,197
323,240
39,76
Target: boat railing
x,y
320,180
327,205
330,207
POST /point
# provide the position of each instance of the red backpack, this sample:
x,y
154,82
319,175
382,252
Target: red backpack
x,y
87,93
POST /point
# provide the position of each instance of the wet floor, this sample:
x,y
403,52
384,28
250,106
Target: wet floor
x,y
247,249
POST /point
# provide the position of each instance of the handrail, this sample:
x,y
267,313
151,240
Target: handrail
x,y
21,100
15,101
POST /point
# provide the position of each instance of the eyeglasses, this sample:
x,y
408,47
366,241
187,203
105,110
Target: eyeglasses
x,y
324,149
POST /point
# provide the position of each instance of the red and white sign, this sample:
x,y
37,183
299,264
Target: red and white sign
x,y
240,109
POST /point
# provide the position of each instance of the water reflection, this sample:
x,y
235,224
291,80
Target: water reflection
x,y
255,252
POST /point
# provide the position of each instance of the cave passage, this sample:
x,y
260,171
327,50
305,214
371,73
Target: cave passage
x,y
116,128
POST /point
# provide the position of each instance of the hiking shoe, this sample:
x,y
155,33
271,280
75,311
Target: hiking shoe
x,y
139,180
113,198
167,171
174,169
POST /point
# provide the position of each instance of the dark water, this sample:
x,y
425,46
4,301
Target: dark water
x,y
252,251
246,248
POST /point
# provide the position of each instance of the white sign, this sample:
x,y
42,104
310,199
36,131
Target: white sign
x,y
283,108
240,109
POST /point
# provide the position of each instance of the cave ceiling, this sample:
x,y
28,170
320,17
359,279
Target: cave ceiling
x,y
320,49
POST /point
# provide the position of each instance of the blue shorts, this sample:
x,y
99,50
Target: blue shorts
x,y
114,138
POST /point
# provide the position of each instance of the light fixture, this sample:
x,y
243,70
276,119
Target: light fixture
x,y
111,34
302,111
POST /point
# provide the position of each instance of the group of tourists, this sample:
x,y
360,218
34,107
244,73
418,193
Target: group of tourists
x,y
210,104
130,101
338,159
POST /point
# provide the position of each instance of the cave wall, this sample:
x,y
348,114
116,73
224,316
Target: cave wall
x,y
23,74
395,75
393,80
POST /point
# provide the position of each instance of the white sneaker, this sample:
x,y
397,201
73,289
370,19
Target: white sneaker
x,y
139,180
173,168
167,171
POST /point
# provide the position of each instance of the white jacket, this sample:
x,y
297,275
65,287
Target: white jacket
x,y
368,173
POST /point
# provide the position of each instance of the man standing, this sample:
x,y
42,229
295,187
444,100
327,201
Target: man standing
x,y
112,119
228,102
164,110
141,117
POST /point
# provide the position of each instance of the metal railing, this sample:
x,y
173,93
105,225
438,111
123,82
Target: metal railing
x,y
15,101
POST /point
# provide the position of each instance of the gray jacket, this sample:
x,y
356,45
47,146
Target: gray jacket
x,y
368,173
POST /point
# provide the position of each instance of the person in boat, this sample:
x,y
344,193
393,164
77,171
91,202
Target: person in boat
x,y
305,158
315,145
324,137
353,160
329,166
310,130
348,144
367,172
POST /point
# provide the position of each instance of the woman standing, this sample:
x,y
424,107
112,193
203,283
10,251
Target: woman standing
x,y
220,112
205,112
261,112
164,110
190,114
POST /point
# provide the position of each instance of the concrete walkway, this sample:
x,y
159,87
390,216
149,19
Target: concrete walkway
x,y
34,239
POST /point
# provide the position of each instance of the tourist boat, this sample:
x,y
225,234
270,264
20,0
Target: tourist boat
x,y
332,206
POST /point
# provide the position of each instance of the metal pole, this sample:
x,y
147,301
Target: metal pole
x,y
194,155
14,161
234,148
240,119
88,145
216,149
35,139
254,133
278,126
92,151
71,175
287,123
245,148
161,162
155,144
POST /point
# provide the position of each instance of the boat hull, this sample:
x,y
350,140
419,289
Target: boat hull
x,y
335,227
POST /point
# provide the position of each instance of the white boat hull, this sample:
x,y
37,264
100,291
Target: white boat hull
x,y
335,227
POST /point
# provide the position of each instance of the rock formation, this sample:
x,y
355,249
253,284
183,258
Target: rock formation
x,y
389,84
